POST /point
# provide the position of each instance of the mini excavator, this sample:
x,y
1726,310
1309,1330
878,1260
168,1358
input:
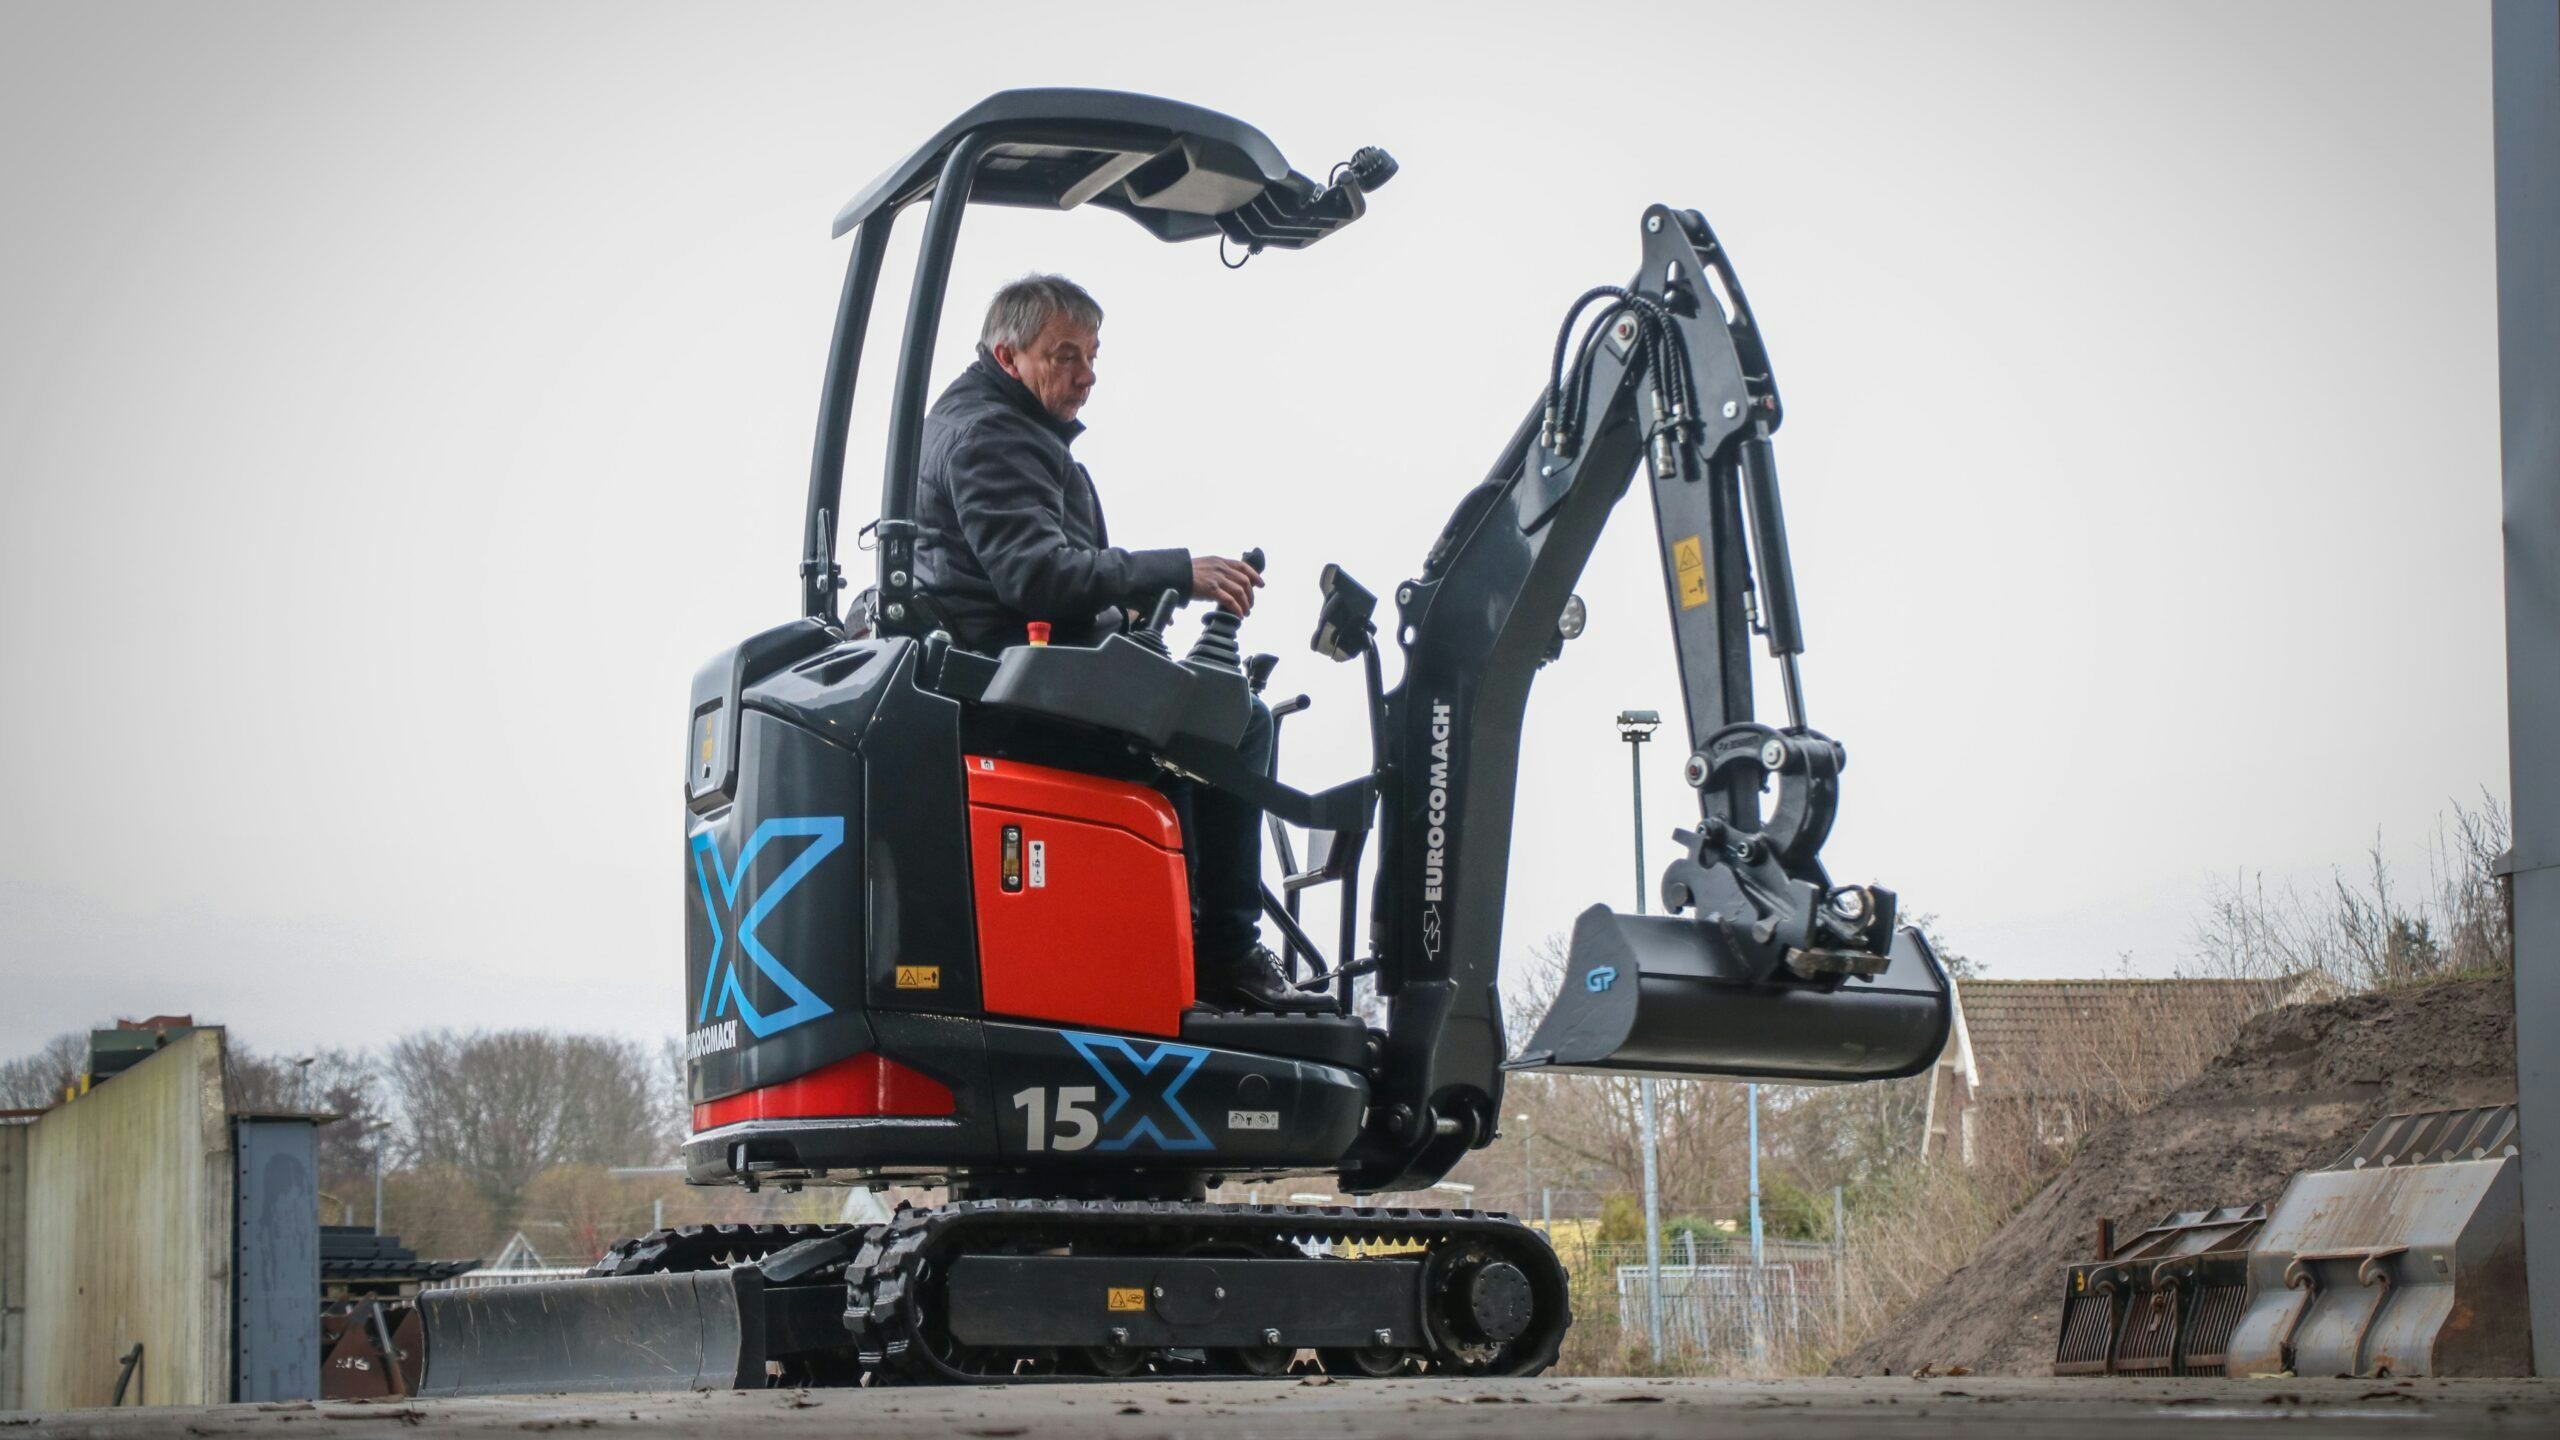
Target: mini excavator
x,y
938,921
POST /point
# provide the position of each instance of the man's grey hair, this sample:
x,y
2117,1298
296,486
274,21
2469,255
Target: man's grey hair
x,y
1022,309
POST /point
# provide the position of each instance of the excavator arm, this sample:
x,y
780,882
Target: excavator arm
x,y
1765,969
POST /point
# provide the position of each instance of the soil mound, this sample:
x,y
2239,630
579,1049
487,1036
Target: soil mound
x,y
2295,1090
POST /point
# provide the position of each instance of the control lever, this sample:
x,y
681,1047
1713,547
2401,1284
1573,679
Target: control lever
x,y
1216,646
1151,634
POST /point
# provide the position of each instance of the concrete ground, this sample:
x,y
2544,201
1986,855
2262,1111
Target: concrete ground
x,y
1973,1407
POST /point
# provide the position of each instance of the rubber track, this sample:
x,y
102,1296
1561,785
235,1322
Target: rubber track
x,y
884,1293
704,1247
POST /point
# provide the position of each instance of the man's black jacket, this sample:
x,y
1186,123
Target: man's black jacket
x,y
1009,529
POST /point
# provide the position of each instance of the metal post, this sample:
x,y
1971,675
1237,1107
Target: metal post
x,y
658,1213
1546,1211
1635,727
1528,1163
835,416
1754,1093
1652,1227
377,1181
1839,1265
2524,63
915,372
1759,1276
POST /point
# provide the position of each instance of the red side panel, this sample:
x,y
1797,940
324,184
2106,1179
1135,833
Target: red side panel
x,y
1012,785
1084,912
857,1085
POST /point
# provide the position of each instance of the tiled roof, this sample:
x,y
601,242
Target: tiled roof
x,y
2072,1037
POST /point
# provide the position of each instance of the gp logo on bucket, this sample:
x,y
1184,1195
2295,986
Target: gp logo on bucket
x,y
1145,1091
720,978
1600,978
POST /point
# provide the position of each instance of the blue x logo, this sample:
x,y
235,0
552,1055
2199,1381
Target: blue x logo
x,y
720,978
1144,1090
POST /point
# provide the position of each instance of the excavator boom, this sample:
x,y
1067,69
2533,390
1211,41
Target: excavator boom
x,y
1765,970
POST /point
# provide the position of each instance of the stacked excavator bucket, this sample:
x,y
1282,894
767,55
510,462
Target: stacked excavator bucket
x,y
2163,1302
2405,1257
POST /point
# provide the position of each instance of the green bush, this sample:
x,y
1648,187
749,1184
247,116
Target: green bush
x,y
1621,1219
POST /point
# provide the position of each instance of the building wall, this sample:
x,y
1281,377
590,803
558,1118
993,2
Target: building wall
x,y
13,1264
129,1196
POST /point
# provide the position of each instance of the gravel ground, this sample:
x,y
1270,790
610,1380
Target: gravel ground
x,y
1974,1407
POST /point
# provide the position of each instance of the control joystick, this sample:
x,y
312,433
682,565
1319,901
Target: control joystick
x,y
1216,646
1151,634
1217,643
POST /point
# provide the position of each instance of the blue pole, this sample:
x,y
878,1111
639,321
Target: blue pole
x,y
1755,1175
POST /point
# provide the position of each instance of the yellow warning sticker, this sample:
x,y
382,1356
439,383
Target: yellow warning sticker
x,y
919,977
1126,1297
1689,567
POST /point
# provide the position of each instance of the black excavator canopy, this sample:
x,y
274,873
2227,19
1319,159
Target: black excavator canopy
x,y
1174,168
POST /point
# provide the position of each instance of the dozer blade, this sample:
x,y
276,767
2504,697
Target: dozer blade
x,y
698,1330
1664,995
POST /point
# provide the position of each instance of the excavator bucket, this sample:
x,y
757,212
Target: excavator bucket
x,y
2403,1257
1665,995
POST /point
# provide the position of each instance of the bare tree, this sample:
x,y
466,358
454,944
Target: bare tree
x,y
32,1082
2367,932
442,1214
676,1095
346,1084
504,1106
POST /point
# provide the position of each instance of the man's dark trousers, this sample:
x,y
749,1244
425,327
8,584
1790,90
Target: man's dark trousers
x,y
1222,841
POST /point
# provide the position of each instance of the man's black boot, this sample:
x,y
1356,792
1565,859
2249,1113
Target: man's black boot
x,y
1255,981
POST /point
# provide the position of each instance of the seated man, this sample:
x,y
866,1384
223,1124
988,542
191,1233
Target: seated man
x,y
1009,531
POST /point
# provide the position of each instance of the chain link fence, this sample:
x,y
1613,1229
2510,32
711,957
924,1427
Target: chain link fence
x,y
1723,1311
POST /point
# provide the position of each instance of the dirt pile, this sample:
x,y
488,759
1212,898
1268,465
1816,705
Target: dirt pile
x,y
2294,1091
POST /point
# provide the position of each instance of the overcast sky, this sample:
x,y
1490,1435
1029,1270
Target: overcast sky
x,y
398,403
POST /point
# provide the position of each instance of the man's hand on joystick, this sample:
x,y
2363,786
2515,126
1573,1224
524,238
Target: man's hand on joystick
x,y
1230,583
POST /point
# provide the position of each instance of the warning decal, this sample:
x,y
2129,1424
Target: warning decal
x,y
1689,567
1126,1297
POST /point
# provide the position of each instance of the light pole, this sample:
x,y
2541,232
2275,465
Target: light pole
x,y
1528,1163
1754,1092
1635,727
375,1130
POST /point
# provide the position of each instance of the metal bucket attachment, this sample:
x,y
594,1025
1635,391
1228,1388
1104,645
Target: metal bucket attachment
x,y
699,1330
2163,1302
2405,1257
1665,995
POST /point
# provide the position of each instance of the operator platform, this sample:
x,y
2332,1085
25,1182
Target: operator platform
x,y
1010,535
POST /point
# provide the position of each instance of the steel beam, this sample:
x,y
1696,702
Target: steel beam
x,y
2525,51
